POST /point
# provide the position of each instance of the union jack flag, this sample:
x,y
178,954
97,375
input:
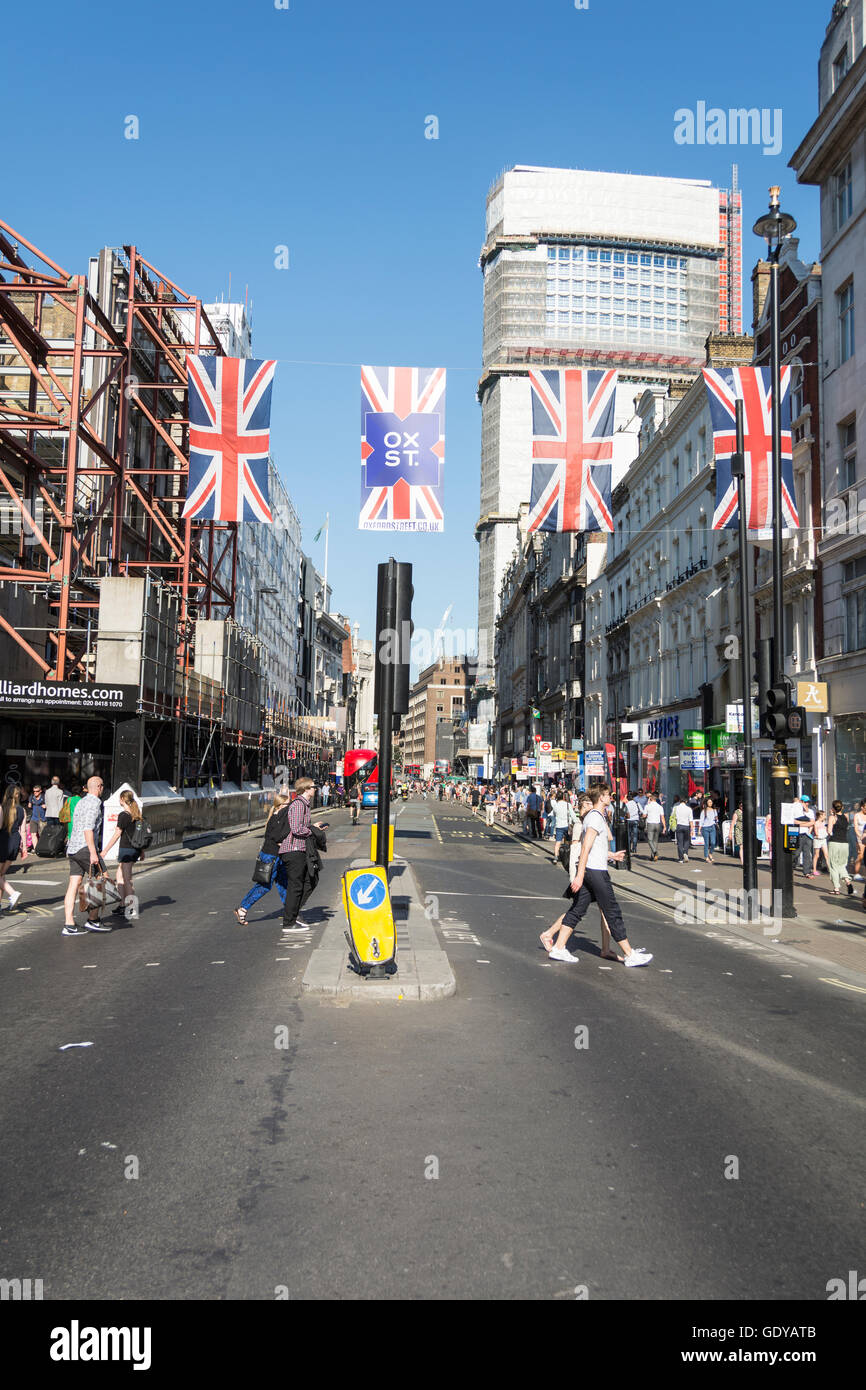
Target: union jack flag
x,y
753,386
573,415
229,438
402,448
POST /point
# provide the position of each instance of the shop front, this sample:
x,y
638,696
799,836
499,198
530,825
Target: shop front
x,y
67,731
850,741
661,742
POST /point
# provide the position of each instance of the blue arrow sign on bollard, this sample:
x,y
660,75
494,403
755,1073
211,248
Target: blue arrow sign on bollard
x,y
367,892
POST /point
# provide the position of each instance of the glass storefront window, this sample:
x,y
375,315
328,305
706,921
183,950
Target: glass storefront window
x,y
851,758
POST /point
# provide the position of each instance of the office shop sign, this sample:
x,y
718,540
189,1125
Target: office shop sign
x,y
67,698
668,726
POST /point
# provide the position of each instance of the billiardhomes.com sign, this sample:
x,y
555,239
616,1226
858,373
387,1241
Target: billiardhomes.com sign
x,y
50,695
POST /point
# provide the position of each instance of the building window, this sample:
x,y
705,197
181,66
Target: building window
x,y
840,66
796,392
843,202
845,302
848,448
855,615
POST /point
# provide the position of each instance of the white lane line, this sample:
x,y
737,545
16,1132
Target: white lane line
x,y
64,1046
217,962
88,967
41,882
282,958
152,962
513,897
482,962
24,967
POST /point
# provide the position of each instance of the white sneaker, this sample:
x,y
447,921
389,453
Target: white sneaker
x,y
638,957
557,954
14,895
299,926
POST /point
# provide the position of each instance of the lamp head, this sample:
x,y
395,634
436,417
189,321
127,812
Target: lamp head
x,y
775,225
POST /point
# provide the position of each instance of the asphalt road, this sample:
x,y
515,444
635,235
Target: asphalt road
x,y
481,1147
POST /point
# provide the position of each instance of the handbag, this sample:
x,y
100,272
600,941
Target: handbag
x,y
262,871
96,891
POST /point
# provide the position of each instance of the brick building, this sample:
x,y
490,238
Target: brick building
x,y
441,693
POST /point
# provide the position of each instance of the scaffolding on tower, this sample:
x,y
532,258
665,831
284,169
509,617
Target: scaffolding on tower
x,y
94,447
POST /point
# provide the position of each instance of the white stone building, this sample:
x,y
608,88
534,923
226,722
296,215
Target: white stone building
x,y
832,156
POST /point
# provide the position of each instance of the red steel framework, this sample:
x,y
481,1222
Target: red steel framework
x,y
94,440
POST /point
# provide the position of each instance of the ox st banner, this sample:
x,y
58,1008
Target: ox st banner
x,y
402,448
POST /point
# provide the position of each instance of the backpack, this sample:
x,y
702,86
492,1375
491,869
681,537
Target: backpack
x,y
140,835
64,814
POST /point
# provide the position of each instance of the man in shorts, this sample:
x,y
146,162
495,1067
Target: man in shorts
x,y
82,854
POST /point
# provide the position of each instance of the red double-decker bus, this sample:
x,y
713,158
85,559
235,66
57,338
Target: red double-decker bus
x,y
362,765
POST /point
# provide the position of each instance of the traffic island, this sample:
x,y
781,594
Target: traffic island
x,y
423,969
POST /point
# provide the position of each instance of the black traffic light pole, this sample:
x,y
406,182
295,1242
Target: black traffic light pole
x,y
393,637
750,867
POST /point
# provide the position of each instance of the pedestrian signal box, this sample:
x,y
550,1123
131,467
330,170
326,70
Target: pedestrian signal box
x,y
371,936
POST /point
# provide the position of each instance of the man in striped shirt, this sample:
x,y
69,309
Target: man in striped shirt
x,y
293,852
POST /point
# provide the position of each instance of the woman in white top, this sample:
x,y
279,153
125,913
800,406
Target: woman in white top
x,y
820,833
707,824
591,883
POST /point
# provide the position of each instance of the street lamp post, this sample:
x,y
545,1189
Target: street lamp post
x,y
738,469
774,227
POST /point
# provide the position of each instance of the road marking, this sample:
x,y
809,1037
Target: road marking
x,y
24,967
482,962
438,831
217,962
282,958
41,882
152,962
88,967
842,984
512,897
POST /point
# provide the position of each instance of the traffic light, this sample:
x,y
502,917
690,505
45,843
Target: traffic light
x,y
405,627
774,714
394,629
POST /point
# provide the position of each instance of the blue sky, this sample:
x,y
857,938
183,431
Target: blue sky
x,y
304,127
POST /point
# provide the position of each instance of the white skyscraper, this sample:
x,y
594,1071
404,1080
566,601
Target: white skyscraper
x,y
594,270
